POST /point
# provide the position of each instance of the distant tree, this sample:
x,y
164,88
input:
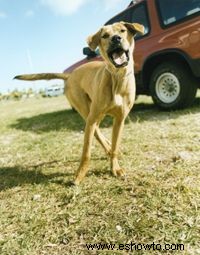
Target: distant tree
x,y
30,92
15,94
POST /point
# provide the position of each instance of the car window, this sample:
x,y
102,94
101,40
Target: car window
x,y
136,14
177,10
139,15
124,16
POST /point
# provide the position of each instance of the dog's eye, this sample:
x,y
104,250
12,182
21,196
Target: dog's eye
x,y
105,36
123,30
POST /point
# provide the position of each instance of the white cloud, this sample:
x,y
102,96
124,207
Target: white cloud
x,y
3,15
68,7
64,7
29,13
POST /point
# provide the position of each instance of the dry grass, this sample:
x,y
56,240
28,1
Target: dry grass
x,y
40,213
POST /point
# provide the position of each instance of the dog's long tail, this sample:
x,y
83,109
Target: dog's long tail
x,y
42,76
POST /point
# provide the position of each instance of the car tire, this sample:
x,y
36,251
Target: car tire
x,y
172,86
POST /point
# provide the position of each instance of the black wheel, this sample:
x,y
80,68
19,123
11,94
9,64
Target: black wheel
x,y
172,86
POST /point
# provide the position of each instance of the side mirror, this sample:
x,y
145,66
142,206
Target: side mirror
x,y
89,53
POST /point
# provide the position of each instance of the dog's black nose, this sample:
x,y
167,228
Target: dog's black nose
x,y
116,39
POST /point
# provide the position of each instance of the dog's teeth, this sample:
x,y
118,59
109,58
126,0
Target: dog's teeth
x,y
123,57
119,59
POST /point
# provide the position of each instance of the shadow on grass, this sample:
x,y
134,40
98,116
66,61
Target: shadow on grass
x,y
149,112
17,176
70,120
66,119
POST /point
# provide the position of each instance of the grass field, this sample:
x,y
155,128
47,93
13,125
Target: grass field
x,y
42,214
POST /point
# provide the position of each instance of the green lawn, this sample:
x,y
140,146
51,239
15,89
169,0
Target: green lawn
x,y
41,213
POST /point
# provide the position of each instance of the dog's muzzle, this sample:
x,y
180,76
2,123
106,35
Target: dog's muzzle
x,y
118,56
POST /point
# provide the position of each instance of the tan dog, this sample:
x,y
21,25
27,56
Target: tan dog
x,y
99,88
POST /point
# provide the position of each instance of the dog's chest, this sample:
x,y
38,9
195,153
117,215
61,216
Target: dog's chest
x,y
118,100
123,94
121,104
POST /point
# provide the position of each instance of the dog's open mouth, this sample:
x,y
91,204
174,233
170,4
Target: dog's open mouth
x,y
119,57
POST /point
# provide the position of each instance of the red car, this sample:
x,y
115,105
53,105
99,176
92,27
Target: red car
x,y
167,56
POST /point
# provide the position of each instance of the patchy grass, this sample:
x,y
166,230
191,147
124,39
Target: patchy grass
x,y
40,213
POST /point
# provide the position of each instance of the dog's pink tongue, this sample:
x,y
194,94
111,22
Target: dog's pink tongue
x,y
119,58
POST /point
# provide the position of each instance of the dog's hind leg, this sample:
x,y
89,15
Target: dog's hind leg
x,y
82,106
116,139
105,143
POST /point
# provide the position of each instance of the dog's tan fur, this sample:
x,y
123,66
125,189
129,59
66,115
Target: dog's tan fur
x,y
99,88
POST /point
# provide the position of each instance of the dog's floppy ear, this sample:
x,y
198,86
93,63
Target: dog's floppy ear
x,y
134,27
93,40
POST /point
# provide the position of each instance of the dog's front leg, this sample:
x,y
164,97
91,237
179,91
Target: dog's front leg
x,y
86,154
116,139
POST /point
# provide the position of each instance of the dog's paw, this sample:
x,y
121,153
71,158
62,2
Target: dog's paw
x,y
119,173
76,182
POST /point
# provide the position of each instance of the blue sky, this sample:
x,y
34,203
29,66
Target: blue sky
x,y
47,35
